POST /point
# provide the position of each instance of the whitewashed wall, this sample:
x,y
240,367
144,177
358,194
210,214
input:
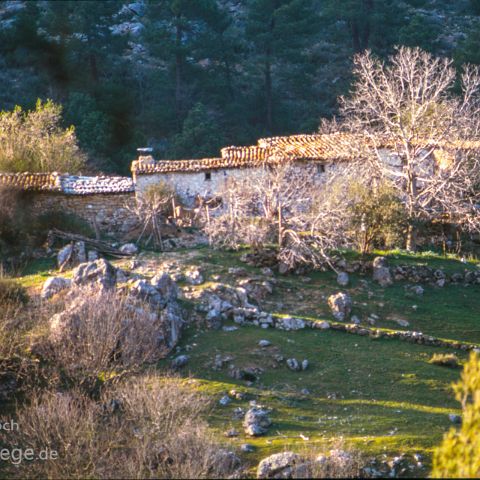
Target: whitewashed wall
x,y
190,184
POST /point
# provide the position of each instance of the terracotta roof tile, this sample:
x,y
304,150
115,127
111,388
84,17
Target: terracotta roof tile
x,y
322,147
32,181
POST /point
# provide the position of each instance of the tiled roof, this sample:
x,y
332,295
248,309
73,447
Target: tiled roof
x,y
335,146
32,181
67,184
322,147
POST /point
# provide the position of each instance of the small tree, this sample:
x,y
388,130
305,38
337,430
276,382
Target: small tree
x,y
152,208
408,107
459,454
35,141
376,214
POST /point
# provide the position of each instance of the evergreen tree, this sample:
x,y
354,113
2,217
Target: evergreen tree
x,y
280,31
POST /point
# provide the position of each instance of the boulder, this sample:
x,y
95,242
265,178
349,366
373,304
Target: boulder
x,y
129,249
256,421
279,465
193,276
341,305
79,252
99,272
289,323
293,364
54,285
64,254
264,343
146,291
180,361
165,285
381,272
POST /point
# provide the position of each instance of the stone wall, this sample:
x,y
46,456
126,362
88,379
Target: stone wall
x,y
210,182
107,211
189,185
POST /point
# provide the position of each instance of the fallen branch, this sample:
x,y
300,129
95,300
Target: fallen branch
x,y
98,245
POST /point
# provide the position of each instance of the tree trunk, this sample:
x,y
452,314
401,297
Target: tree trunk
x,y
268,93
355,36
178,69
411,238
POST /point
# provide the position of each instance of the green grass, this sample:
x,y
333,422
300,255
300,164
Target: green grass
x,y
389,399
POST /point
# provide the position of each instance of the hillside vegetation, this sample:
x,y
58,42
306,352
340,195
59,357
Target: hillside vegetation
x,y
190,80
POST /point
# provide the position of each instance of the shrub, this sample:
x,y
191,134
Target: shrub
x,y
445,360
12,294
377,216
34,141
99,337
459,454
145,428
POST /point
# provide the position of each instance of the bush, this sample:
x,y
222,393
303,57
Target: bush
x,y
12,294
445,360
459,454
34,141
377,216
146,428
100,336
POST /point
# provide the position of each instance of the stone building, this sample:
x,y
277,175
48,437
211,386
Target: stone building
x,y
101,201
206,177
320,153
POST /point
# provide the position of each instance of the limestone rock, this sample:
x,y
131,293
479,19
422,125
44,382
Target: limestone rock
x,y
293,364
256,421
54,285
193,276
247,448
165,285
129,248
180,361
64,254
279,465
289,323
341,305
381,272
99,272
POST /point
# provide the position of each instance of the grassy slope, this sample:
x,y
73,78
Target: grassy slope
x,y
389,399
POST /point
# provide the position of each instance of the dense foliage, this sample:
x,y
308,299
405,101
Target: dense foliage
x,y
187,77
459,454
34,141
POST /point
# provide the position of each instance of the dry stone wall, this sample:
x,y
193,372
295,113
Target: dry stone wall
x,y
109,212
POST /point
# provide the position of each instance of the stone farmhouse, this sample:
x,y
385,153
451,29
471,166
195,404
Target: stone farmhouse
x,y
205,177
103,201
320,153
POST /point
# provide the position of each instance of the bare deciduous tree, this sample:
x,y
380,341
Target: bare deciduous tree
x,y
152,208
408,106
